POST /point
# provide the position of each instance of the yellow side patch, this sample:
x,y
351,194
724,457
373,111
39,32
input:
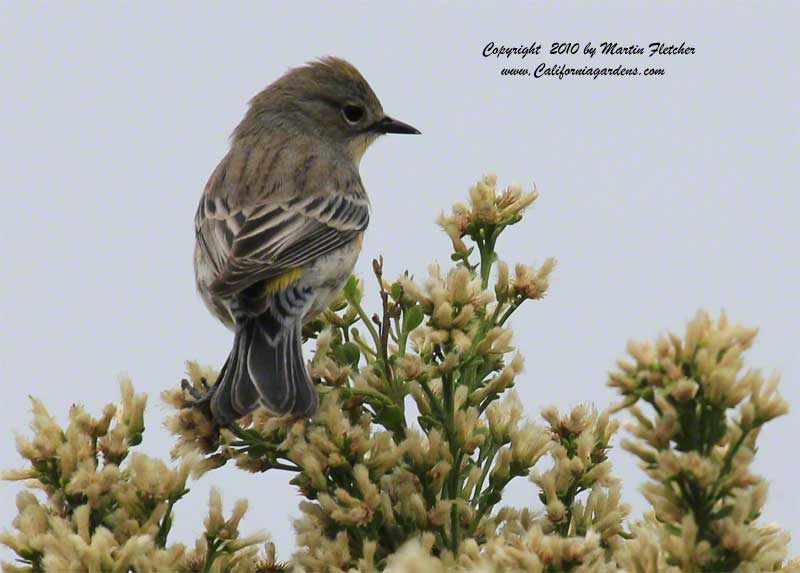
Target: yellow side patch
x,y
282,281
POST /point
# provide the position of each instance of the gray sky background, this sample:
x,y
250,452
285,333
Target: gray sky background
x,y
658,195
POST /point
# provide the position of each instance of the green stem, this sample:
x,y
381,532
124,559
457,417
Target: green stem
x,y
568,500
436,406
402,338
455,537
366,350
450,488
449,399
491,453
164,526
368,323
487,258
486,401
726,466
496,313
386,326
371,394
211,554
514,306
287,467
484,507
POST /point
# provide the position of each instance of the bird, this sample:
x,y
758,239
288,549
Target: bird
x,y
279,228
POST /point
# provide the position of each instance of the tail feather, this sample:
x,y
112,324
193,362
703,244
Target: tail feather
x,y
244,396
279,372
221,407
265,366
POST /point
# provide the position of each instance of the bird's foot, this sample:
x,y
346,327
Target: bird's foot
x,y
201,397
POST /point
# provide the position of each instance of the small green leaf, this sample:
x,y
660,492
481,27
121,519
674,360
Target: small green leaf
x,y
351,291
461,256
427,423
412,318
349,354
724,512
396,290
391,417
257,451
490,497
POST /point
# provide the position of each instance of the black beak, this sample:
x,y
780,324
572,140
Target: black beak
x,y
389,125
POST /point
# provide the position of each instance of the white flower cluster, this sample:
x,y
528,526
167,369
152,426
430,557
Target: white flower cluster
x,y
419,432
698,445
109,509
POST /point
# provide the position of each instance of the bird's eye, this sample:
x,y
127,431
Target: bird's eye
x,y
353,113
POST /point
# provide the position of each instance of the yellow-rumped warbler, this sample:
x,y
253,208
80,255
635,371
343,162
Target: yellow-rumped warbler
x,y
279,228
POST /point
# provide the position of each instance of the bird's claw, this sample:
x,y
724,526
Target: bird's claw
x,y
201,397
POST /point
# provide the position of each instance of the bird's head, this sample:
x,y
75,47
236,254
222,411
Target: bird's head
x,y
327,98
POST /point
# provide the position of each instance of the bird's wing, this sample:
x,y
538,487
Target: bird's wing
x,y
281,235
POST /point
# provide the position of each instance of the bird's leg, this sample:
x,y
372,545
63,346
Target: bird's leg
x,y
202,398
242,308
197,394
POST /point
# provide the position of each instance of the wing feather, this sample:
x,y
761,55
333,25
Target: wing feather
x,y
277,237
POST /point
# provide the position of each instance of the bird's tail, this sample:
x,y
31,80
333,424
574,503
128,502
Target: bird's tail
x,y
265,366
